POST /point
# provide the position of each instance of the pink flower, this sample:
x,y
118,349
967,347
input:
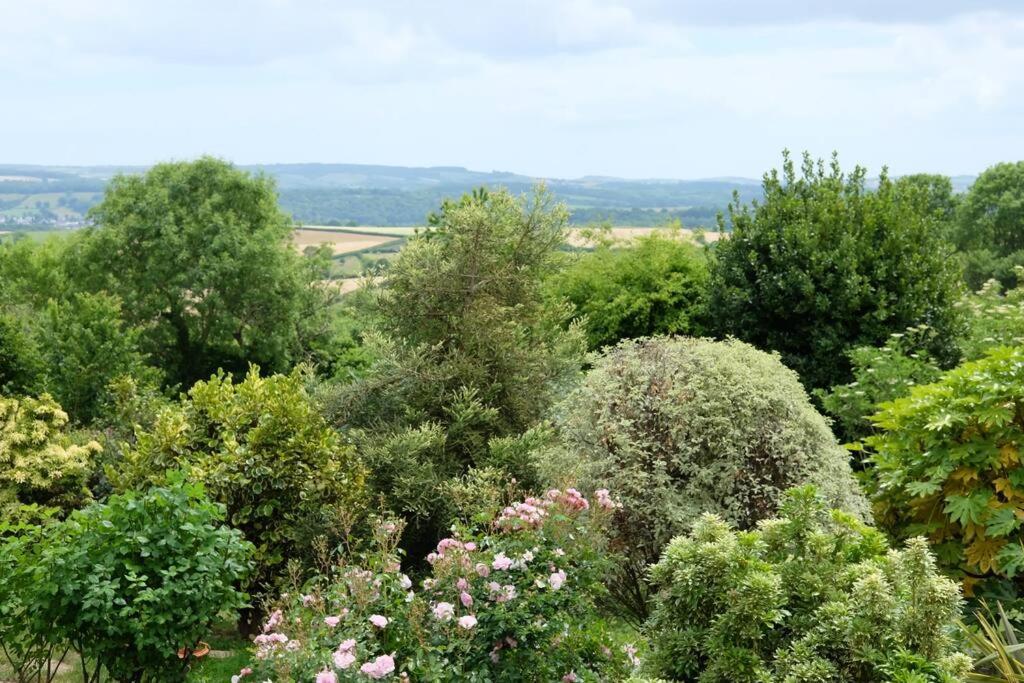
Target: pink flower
x,y
570,677
347,645
471,546
444,611
501,562
467,622
380,667
343,659
466,599
326,676
462,584
405,582
273,622
378,620
483,570
556,580
605,501
308,600
332,621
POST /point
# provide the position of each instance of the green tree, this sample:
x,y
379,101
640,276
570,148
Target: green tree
x,y
655,284
469,353
990,225
936,193
823,264
200,256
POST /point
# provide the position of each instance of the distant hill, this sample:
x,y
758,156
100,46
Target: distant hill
x,y
363,194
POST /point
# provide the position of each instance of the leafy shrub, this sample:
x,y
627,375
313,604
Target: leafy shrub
x,y
39,464
995,317
809,597
823,265
265,453
129,582
654,284
879,374
683,426
510,602
946,465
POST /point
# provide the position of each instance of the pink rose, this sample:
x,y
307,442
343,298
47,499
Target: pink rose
x,y
326,676
378,620
332,621
343,659
444,611
467,622
466,599
556,580
380,667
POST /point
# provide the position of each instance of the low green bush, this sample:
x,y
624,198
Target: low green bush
x,y
808,597
126,584
678,427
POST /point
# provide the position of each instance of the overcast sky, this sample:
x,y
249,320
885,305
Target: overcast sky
x,y
557,88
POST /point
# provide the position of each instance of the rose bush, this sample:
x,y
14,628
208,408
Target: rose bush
x,y
513,601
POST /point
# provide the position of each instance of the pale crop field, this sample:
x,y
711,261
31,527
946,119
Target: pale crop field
x,y
339,242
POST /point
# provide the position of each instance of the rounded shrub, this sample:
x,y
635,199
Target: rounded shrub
x,y
678,427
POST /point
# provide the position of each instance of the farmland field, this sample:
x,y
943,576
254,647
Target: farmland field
x,y
342,241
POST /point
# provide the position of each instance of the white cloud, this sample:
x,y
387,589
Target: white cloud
x,y
645,88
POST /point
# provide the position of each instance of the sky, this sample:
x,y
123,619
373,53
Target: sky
x,y
550,88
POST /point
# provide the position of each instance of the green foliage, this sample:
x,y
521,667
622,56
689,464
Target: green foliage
x,y
807,597
263,451
994,318
990,225
677,427
879,375
824,265
39,464
655,284
21,363
85,346
946,465
128,583
199,253
468,352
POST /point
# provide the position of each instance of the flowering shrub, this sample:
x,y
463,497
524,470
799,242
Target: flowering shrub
x,y
511,602
804,598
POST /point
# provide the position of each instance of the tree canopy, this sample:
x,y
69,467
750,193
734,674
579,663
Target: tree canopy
x,y
824,264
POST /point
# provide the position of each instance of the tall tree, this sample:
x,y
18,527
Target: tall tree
x,y
823,264
990,225
470,354
200,255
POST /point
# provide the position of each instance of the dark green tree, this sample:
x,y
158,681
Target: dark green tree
x,y
200,255
823,264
